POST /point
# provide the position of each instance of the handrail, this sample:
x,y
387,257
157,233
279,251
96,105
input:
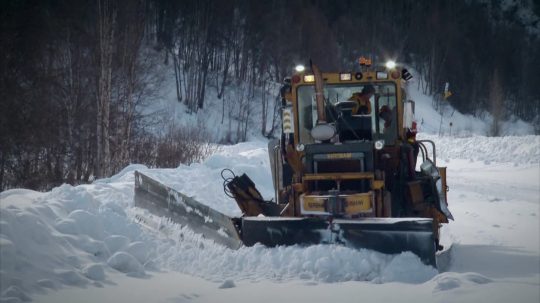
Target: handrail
x,y
277,163
433,148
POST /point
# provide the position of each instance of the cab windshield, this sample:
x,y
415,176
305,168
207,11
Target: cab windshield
x,y
381,118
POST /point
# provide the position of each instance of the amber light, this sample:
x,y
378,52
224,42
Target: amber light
x,y
364,61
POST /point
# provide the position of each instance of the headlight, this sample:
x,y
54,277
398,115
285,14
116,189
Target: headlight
x,y
323,132
379,144
300,147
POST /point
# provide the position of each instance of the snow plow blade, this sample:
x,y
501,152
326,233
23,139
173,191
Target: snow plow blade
x,y
164,201
386,235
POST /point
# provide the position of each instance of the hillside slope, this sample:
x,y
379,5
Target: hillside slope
x,y
221,123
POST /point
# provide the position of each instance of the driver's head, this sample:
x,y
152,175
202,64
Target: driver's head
x,y
363,104
368,89
354,96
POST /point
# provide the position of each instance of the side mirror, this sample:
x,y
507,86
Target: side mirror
x,y
406,75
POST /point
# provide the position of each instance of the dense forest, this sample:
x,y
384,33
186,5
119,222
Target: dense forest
x,y
75,74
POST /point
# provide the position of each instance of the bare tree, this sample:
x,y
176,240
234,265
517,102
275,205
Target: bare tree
x,y
107,13
132,65
496,97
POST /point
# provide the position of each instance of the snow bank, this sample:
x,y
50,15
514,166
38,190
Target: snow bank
x,y
204,181
66,237
510,149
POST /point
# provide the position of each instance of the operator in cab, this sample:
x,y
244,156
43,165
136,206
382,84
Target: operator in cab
x,y
362,99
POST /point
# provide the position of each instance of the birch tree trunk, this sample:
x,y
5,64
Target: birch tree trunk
x,y
106,23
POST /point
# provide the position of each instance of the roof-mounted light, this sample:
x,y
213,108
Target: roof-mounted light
x,y
299,68
390,64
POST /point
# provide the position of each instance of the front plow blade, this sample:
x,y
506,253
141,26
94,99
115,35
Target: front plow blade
x,y
164,201
386,235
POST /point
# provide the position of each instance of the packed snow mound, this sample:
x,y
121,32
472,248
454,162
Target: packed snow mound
x,y
66,237
204,180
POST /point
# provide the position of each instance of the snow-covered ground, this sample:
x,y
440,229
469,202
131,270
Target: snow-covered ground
x,y
83,244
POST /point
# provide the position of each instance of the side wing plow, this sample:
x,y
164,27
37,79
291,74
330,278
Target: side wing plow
x,y
164,201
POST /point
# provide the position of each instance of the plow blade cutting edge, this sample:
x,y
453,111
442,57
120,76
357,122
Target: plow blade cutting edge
x,y
386,235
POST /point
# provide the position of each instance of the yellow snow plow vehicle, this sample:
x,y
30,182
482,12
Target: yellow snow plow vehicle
x,y
344,172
